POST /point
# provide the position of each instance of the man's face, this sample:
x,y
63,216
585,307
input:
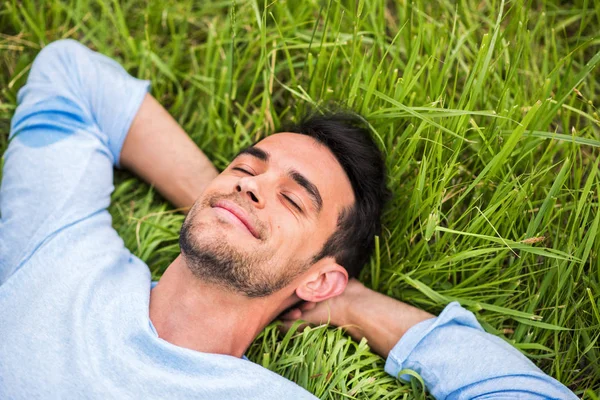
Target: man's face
x,y
260,223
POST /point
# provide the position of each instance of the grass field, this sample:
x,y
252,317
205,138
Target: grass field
x,y
487,112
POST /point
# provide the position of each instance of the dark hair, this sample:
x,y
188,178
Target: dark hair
x,y
346,135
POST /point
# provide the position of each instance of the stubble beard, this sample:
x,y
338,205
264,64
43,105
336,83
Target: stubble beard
x,y
215,260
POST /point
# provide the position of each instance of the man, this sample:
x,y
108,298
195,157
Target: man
x,y
290,220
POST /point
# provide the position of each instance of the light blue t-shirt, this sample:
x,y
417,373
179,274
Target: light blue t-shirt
x,y
74,316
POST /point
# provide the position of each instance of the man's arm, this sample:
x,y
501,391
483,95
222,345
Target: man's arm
x,y
74,114
159,151
452,353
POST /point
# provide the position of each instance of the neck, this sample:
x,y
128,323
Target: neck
x,y
190,313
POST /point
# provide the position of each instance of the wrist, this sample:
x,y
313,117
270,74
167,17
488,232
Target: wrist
x,y
349,301
377,317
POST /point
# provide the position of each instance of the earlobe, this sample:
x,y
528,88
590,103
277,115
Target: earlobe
x,y
324,284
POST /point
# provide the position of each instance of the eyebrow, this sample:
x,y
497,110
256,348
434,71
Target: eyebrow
x,y
310,187
254,152
296,176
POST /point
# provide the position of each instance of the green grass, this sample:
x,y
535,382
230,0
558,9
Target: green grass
x,y
487,112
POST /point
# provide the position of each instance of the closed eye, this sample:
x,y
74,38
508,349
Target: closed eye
x,y
292,203
242,170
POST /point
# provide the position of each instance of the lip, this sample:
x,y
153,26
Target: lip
x,y
240,214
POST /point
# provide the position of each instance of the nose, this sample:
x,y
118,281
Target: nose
x,y
248,187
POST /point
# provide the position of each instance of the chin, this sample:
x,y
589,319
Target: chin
x,y
213,236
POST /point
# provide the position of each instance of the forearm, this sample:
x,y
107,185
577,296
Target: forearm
x,y
159,151
453,355
456,358
380,319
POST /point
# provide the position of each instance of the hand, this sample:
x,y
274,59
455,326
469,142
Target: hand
x,y
363,313
332,311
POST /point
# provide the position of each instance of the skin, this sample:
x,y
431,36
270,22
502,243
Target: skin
x,y
289,236
191,309
291,224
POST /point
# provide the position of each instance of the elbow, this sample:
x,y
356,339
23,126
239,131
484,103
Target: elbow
x,y
56,61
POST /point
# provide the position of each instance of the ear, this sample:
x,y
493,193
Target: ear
x,y
328,279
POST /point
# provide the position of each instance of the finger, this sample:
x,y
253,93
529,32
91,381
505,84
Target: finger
x,y
293,314
285,326
309,305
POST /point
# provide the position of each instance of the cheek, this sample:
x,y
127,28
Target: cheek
x,y
286,233
292,239
220,184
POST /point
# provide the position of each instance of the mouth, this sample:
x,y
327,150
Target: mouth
x,y
237,215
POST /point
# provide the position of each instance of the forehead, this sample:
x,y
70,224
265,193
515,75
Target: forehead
x,y
313,160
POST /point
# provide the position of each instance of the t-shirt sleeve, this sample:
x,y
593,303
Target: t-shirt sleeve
x,y
457,359
66,136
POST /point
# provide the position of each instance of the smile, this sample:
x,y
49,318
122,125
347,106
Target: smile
x,y
236,215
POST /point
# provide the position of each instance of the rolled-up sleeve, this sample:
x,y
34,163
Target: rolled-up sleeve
x,y
457,359
66,136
